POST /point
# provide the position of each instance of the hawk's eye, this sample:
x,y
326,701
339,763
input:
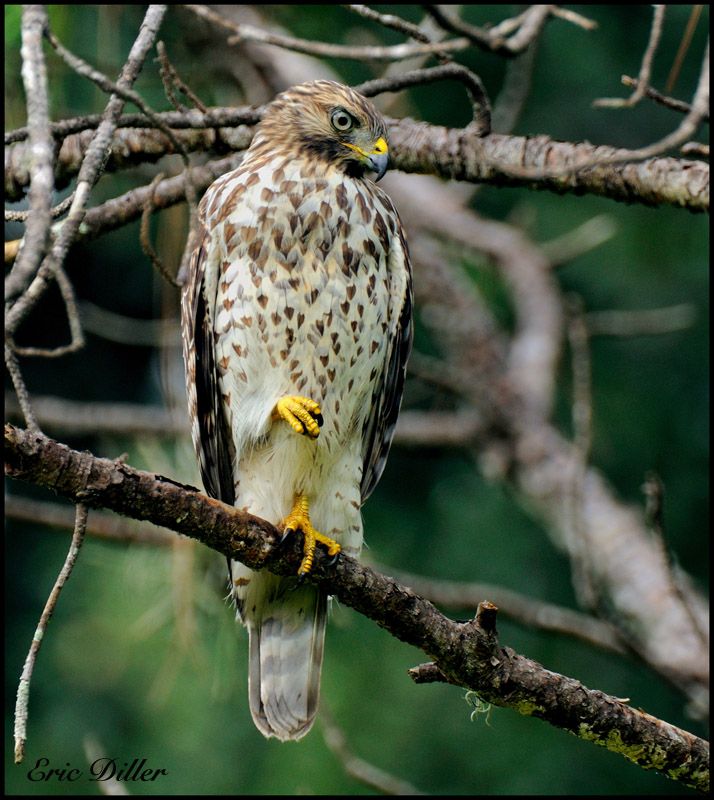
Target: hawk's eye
x,y
341,120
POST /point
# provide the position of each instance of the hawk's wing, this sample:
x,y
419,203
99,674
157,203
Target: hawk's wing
x,y
209,429
387,397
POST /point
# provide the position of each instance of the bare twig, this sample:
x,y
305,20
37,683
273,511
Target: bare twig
x,y
438,428
573,17
250,33
481,37
535,346
586,237
653,490
696,149
438,372
171,78
210,118
100,525
123,329
641,322
23,689
515,90
683,47
55,211
110,87
23,396
89,172
511,36
128,94
34,77
366,773
664,100
121,419
76,334
533,20
71,417
129,206
481,123
687,128
643,81
145,236
396,23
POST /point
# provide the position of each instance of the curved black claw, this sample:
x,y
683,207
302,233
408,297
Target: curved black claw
x,y
319,421
333,560
287,532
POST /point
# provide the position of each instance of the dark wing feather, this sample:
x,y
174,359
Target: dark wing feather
x,y
211,435
379,429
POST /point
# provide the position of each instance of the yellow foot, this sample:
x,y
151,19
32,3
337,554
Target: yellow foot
x,y
301,413
299,519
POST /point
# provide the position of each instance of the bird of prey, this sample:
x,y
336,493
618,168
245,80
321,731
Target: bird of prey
x,y
297,326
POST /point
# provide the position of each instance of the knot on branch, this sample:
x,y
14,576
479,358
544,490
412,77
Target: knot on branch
x,y
480,653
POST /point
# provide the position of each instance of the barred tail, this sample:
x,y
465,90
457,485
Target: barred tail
x,y
286,625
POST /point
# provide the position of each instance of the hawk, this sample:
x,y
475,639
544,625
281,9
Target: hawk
x,y
297,326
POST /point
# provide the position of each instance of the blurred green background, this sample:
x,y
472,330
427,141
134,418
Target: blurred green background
x,y
143,654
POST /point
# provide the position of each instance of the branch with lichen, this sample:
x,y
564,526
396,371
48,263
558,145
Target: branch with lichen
x,y
466,654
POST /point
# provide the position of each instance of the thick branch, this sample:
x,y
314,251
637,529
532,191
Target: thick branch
x,y
498,160
468,654
531,162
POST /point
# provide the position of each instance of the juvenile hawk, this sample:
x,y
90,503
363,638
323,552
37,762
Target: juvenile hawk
x,y
296,322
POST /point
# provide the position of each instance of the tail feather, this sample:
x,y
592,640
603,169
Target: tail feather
x,y
286,625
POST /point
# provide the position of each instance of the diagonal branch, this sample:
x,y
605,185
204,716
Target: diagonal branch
x,y
467,654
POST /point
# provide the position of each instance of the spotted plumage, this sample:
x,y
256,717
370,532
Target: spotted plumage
x,y
297,320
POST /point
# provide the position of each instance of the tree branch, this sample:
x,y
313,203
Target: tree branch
x,y
41,162
89,173
23,689
461,154
468,654
520,161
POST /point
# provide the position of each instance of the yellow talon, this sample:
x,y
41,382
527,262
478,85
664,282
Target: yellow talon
x,y
299,519
301,413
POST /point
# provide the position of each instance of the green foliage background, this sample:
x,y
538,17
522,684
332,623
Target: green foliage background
x,y
142,652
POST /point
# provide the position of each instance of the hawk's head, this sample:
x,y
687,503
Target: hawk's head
x,y
327,121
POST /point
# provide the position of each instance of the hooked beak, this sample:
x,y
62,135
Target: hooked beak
x,y
377,159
